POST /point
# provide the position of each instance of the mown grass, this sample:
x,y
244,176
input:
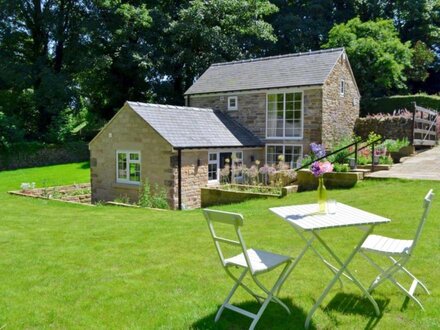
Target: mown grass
x,y
69,266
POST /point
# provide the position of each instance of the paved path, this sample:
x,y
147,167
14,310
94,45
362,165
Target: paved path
x,y
423,166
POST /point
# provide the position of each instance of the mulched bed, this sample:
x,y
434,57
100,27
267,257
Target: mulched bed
x,y
76,193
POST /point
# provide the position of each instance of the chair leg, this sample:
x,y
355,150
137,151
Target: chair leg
x,y
406,271
270,293
234,288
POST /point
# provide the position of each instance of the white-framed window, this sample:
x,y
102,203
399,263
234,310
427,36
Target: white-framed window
x,y
218,159
291,154
342,87
128,166
284,115
213,166
232,103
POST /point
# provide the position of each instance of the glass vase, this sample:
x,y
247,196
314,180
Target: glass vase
x,y
322,196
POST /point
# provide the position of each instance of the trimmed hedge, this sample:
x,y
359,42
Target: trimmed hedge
x,y
32,154
397,102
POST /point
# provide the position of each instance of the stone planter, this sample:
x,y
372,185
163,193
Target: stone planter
x,y
403,152
218,196
380,167
307,181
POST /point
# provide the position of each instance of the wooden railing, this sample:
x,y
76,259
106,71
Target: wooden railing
x,y
424,126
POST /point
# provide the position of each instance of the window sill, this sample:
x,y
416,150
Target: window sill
x,y
126,185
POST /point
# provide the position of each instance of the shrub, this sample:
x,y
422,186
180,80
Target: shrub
x,y
392,103
337,167
148,198
395,145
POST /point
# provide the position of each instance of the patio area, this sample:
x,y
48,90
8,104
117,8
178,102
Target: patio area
x,y
423,166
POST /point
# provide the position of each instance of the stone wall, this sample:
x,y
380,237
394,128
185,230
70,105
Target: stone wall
x,y
23,156
339,112
128,132
388,127
251,111
251,114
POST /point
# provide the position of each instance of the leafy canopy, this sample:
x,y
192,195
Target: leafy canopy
x,y
377,55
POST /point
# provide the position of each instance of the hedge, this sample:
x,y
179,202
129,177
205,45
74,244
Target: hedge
x,y
389,104
32,154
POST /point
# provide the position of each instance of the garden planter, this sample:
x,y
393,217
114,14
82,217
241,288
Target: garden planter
x,y
307,181
218,196
403,152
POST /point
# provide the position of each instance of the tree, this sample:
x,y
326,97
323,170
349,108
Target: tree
x,y
378,57
205,32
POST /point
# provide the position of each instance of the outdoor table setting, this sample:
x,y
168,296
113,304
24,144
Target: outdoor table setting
x,y
309,220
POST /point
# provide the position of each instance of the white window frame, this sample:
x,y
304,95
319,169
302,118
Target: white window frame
x,y
232,108
284,137
342,87
127,169
235,160
284,145
215,162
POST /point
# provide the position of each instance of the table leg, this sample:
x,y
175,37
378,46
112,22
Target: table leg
x,y
339,273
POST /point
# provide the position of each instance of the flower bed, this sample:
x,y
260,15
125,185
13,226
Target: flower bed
x,y
228,194
77,193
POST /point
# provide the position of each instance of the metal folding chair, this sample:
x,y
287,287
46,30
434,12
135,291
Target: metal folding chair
x,y
252,261
398,252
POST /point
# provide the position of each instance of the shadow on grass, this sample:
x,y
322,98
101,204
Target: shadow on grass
x,y
85,166
346,303
274,317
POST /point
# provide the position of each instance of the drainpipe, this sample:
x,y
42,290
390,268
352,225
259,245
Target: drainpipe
x,y
179,178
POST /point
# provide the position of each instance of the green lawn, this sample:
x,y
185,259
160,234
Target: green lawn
x,y
71,266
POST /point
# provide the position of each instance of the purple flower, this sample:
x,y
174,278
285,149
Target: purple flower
x,y
319,168
318,150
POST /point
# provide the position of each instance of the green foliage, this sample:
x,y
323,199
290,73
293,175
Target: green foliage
x,y
155,198
386,160
398,102
9,132
395,145
363,160
338,167
377,55
342,156
422,59
372,137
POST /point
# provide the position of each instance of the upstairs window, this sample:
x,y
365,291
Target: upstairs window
x,y
284,115
128,168
232,103
342,87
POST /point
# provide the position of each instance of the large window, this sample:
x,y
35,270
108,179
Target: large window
x,y
284,115
128,167
290,153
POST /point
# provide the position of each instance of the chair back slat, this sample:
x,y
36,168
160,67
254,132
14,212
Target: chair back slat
x,y
426,206
228,218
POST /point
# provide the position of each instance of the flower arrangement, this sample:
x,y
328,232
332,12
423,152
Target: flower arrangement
x,y
319,168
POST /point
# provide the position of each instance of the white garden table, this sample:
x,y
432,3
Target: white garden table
x,y
304,218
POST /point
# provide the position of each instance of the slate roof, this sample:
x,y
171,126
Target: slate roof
x,y
185,127
292,70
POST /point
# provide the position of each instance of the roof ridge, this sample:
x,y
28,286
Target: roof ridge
x,y
321,51
168,106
